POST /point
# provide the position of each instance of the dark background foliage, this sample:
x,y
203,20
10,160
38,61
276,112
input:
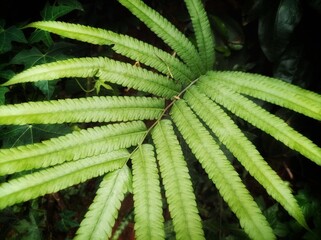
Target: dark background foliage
x,y
276,38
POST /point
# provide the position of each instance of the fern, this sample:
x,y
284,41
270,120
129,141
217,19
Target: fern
x,y
167,32
122,44
177,183
94,109
134,145
147,196
100,218
59,177
73,146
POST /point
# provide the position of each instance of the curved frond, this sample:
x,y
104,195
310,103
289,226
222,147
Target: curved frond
x,y
149,222
100,218
56,178
107,69
177,183
231,136
203,32
221,172
73,146
272,90
122,44
167,32
91,109
262,119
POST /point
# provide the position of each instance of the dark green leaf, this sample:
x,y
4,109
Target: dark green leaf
x,y
3,91
63,8
46,87
67,221
6,74
12,136
41,36
292,66
276,26
52,12
9,35
32,57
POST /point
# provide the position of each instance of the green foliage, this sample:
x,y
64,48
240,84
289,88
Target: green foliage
x,y
132,142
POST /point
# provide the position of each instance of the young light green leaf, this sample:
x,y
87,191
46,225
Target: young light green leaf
x,y
122,44
177,183
230,135
73,146
262,119
100,218
167,32
149,222
103,68
91,109
271,90
59,177
203,32
221,172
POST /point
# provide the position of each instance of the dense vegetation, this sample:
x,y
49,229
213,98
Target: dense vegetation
x,y
275,40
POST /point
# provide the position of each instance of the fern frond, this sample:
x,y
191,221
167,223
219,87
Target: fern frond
x,y
56,178
231,136
100,218
177,183
122,44
91,109
221,172
73,146
149,222
272,90
107,69
203,32
262,119
167,32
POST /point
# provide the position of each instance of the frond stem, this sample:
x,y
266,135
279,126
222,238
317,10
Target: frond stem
x,y
175,98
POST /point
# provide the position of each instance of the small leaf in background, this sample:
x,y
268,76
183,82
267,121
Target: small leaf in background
x,y
293,67
50,13
67,221
6,74
41,36
9,35
31,227
61,9
34,56
13,136
46,87
227,31
276,26
3,91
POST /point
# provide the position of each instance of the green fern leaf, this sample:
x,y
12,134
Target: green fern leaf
x,y
177,183
203,32
262,119
92,109
272,90
149,222
230,135
109,70
167,32
56,178
100,218
73,146
122,44
221,172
